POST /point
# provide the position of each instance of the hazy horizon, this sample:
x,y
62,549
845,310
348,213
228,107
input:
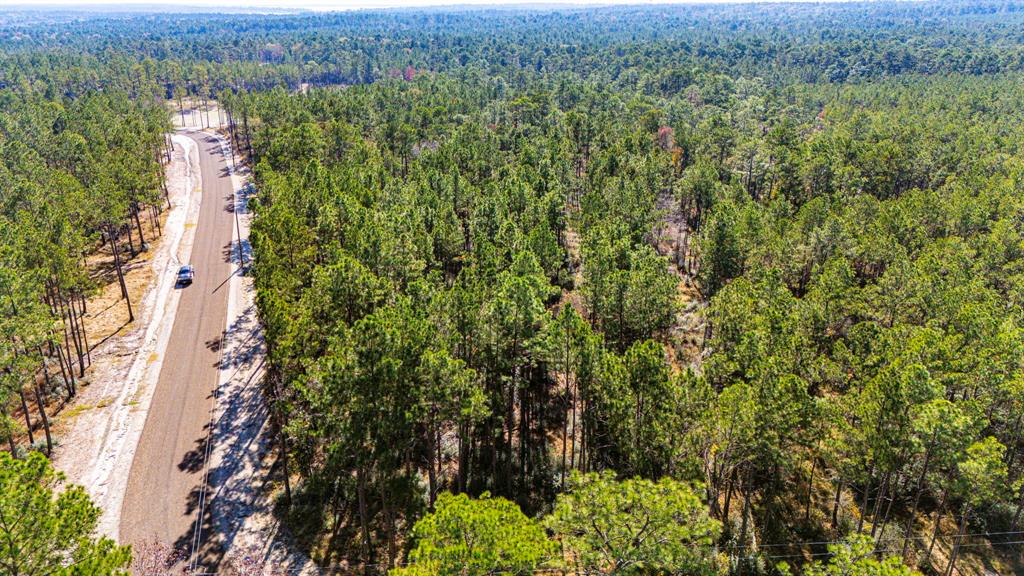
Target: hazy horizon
x,y
328,5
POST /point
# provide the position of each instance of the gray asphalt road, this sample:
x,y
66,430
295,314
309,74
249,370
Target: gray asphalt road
x,y
165,498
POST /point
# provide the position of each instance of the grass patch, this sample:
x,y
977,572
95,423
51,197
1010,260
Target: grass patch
x,y
75,411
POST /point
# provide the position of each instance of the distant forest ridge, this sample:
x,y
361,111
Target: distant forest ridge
x,y
810,42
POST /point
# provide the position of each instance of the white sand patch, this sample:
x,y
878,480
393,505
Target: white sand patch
x,y
195,115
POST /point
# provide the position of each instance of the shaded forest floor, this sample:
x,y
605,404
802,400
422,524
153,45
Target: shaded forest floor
x,y
789,530
673,240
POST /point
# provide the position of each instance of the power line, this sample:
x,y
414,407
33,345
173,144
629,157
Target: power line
x,y
1011,542
358,567
827,542
197,536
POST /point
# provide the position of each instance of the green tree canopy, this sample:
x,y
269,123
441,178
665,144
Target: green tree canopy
x,y
857,556
45,533
474,537
634,526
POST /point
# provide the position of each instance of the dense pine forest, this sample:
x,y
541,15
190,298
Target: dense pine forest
x,y
630,290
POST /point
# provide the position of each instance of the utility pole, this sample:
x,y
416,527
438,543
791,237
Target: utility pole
x,y
235,208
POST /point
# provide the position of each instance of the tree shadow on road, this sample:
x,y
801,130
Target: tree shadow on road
x,y
194,459
222,498
199,545
232,255
235,481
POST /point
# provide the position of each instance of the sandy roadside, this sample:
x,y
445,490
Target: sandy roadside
x,y
241,457
102,428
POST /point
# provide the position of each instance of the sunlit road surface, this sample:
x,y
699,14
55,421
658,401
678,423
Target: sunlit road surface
x,y
166,501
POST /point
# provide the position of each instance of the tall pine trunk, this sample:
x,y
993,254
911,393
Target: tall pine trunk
x,y
728,501
42,413
66,352
364,520
460,478
908,530
938,525
85,332
431,464
69,313
138,224
867,495
120,274
883,491
959,540
835,502
55,350
10,434
131,243
28,419
810,490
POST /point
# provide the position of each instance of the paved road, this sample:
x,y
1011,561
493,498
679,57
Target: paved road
x,y
164,499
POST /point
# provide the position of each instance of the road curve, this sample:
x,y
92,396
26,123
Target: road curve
x,y
164,500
